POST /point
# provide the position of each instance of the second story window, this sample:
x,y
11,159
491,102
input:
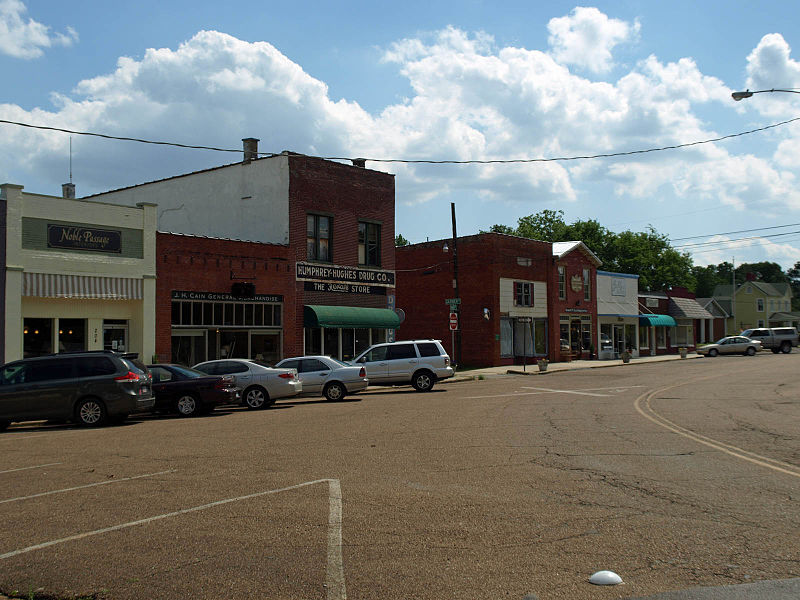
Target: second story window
x,y
562,283
318,237
369,244
523,293
760,304
587,285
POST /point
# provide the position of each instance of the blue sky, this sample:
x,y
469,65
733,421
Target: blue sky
x,y
433,80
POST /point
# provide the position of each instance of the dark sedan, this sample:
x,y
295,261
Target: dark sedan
x,y
189,392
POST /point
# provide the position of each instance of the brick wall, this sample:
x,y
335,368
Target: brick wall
x,y
574,262
425,280
191,263
349,194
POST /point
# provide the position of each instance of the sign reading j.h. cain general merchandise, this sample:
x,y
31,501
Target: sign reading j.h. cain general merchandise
x,y
342,274
75,237
224,296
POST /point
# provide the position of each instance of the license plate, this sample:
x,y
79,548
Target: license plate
x,y
144,390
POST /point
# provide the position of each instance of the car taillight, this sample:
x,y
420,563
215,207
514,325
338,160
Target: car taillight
x,y
362,372
446,361
221,384
129,376
286,375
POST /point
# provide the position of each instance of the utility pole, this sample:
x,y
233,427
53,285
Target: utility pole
x,y
733,293
457,350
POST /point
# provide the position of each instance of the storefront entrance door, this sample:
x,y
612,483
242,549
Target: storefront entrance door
x,y
575,337
619,339
115,336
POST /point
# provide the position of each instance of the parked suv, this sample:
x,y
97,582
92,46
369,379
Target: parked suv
x,y
88,388
420,363
777,339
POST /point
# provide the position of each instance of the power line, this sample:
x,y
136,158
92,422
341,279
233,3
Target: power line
x,y
420,161
723,243
692,237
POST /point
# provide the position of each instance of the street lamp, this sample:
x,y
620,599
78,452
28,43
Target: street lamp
x,y
747,93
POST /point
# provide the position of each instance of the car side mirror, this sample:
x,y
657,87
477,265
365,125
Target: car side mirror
x,y
362,360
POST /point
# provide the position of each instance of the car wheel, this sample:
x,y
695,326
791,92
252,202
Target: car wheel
x,y
786,347
423,381
90,412
713,352
334,391
750,351
187,406
4,425
256,397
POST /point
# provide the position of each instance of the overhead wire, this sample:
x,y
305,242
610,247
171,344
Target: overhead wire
x,y
414,161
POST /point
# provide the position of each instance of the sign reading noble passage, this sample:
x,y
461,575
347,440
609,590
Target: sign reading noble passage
x,y
84,238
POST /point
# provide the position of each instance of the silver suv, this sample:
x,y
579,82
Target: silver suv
x,y
420,363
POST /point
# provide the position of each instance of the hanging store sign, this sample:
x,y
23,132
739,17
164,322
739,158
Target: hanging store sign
x,y
343,288
342,274
576,310
74,237
224,297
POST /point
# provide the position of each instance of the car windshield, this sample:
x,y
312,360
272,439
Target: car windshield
x,y
338,362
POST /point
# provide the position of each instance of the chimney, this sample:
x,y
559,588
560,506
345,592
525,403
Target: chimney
x,y
359,162
68,190
250,149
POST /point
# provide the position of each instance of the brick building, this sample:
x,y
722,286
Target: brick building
x,y
573,297
671,320
502,285
271,257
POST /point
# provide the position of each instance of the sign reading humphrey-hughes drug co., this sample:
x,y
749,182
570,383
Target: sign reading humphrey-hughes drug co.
x,y
75,237
341,274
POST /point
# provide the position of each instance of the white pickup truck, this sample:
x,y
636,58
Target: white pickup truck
x,y
777,339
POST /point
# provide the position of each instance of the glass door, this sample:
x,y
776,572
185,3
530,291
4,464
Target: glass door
x,y
115,335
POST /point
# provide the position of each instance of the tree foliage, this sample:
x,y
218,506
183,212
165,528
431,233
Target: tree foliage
x,y
400,241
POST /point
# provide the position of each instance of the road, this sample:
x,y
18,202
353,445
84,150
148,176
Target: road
x,y
672,475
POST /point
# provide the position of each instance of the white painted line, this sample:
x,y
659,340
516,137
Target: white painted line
x,y
26,468
336,589
580,393
511,395
335,571
81,487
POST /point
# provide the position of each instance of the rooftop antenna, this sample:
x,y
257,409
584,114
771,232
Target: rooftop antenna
x,y
70,159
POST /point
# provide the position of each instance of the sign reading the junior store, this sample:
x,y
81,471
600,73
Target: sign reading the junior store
x,y
360,279
84,238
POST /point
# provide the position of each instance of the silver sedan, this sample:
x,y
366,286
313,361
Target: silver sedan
x,y
734,344
326,376
261,384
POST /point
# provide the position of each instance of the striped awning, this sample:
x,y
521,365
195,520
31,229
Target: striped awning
x,y
52,285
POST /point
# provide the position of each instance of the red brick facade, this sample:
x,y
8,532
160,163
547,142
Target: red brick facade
x,y
425,280
345,193
574,307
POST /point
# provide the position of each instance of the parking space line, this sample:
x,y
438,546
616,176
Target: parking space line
x,y
81,487
27,468
335,569
578,392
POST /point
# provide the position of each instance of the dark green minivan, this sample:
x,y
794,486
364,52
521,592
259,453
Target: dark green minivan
x,y
88,388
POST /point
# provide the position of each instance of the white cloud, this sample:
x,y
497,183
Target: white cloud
x,y
27,39
755,249
471,100
587,37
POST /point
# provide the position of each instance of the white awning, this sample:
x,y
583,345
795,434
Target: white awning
x,y
51,285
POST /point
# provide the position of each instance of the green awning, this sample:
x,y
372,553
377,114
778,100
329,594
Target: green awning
x,y
349,316
656,321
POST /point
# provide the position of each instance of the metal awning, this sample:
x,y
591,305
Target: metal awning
x,y
349,316
657,321
84,287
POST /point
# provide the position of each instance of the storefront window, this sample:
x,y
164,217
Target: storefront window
x,y
630,337
361,341
313,341
540,337
115,335
37,336
523,339
644,337
564,332
330,342
586,335
71,335
506,337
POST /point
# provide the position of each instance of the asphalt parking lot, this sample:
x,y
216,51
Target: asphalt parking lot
x,y
673,475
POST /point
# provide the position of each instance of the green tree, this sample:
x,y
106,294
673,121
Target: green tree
x,y
649,255
794,280
399,241
764,271
547,226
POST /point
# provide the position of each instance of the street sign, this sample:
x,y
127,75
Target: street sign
x,y
452,301
453,326
453,321
454,317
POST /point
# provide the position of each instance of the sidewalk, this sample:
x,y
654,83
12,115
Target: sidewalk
x,y
533,369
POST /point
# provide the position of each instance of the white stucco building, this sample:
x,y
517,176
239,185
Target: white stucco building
x,y
617,314
77,275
